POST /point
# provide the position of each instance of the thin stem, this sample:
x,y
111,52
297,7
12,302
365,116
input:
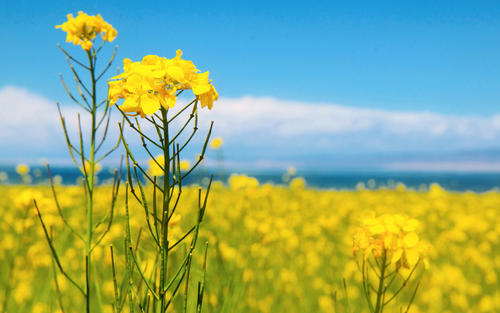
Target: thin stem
x,y
71,148
115,284
404,283
129,154
146,281
182,110
412,297
108,65
86,108
365,286
379,306
59,210
73,59
78,80
90,183
200,159
165,209
54,253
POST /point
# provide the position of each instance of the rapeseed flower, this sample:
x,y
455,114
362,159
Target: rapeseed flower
x,y
155,82
97,167
216,143
82,29
255,228
237,181
154,168
393,236
22,169
184,165
297,183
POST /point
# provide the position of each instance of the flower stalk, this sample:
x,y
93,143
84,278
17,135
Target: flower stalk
x,y
82,30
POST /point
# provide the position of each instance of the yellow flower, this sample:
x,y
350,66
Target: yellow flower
x,y
298,183
157,170
83,29
22,169
154,82
154,168
97,167
216,143
393,235
204,90
184,165
242,181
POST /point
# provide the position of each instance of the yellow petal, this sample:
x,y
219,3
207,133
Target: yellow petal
x,y
410,240
130,104
397,255
175,73
149,104
412,257
410,225
184,165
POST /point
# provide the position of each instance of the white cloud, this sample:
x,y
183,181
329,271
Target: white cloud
x,y
25,117
30,127
263,129
292,118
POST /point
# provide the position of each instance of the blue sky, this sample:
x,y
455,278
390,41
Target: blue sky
x,y
435,61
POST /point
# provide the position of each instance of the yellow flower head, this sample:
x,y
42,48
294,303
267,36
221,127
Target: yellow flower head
x,y
22,169
83,29
97,167
393,235
184,165
154,82
298,183
216,143
242,181
154,168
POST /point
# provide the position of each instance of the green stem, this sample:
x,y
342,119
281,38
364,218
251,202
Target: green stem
x,y
90,185
379,306
165,210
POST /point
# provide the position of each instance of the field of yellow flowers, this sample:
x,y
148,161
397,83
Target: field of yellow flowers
x,y
270,248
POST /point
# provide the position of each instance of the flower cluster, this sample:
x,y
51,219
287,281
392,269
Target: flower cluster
x,y
242,182
156,81
393,236
83,29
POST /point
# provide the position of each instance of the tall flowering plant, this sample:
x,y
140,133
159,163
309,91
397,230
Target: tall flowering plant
x,y
83,30
146,93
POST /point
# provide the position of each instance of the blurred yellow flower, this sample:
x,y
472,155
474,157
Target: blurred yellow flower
x,y
97,167
393,235
216,143
22,169
184,165
242,181
298,183
154,168
83,29
276,224
291,170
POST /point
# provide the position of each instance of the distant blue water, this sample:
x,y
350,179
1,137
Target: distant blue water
x,y
477,182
